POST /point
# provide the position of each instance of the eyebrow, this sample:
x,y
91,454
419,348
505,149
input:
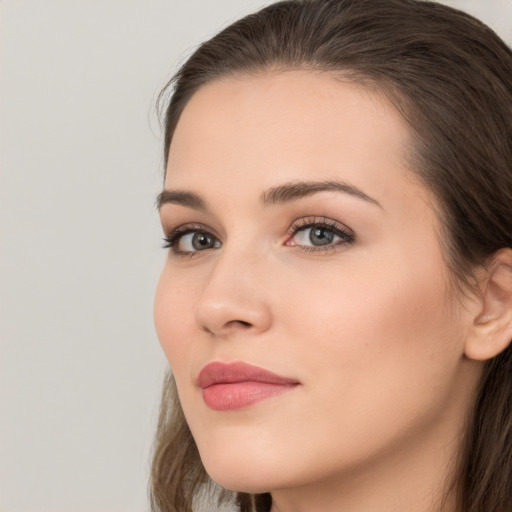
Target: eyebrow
x,y
181,197
279,194
299,189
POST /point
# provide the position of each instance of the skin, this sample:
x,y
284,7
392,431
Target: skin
x,y
370,328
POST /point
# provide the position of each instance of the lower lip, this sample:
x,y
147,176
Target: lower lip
x,y
237,395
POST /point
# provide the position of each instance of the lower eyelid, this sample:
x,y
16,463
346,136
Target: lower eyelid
x,y
312,249
174,237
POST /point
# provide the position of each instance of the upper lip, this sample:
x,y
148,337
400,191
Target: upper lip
x,y
229,373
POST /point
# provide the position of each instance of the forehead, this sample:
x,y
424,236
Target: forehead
x,y
280,126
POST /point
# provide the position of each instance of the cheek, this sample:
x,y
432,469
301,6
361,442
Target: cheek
x,y
173,319
384,301
383,342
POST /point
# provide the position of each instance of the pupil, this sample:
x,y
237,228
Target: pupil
x,y
321,236
201,241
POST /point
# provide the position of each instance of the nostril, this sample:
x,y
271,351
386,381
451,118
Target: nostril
x,y
241,322
232,323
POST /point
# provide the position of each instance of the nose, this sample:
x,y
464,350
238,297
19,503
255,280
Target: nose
x,y
233,298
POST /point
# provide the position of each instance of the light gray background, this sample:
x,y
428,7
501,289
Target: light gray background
x,y
80,366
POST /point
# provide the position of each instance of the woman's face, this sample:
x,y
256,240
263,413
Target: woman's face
x,y
305,248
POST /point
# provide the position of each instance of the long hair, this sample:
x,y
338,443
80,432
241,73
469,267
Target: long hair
x,y
450,77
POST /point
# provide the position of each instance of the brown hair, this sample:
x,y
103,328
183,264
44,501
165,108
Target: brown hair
x,y
450,77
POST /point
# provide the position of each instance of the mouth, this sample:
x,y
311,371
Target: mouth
x,y
229,386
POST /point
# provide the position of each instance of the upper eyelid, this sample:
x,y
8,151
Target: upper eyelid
x,y
302,223
306,222
296,225
185,228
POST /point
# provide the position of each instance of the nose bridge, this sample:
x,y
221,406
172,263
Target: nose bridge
x,y
233,296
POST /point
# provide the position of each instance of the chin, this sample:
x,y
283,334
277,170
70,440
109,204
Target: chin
x,y
240,478
241,471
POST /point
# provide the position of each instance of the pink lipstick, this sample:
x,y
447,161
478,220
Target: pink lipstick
x,y
228,386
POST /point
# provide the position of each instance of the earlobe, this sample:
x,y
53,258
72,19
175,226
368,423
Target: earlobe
x,y
491,332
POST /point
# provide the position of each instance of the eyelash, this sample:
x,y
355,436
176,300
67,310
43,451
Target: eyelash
x,y
344,233
172,239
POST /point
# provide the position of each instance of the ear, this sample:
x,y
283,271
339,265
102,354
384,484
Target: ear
x,y
491,332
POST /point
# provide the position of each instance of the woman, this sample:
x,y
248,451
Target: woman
x,y
336,306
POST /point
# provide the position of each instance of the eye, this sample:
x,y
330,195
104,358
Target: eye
x,y
314,234
188,240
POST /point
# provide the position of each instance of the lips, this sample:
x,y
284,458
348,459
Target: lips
x,y
228,386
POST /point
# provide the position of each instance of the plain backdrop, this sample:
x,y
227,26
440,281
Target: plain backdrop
x,y
80,364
